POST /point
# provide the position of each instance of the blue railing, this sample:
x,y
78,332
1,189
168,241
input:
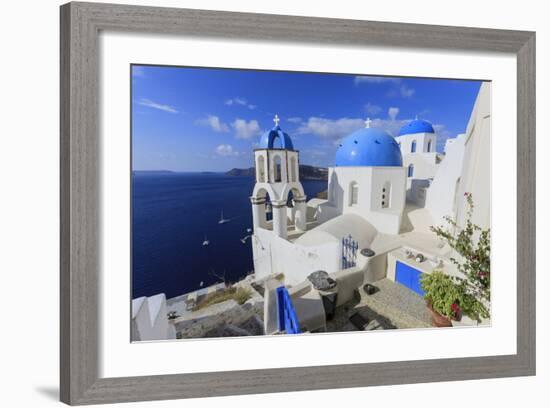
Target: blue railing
x,y
288,321
349,252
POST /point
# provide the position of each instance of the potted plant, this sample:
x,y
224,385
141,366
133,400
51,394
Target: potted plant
x,y
443,298
469,294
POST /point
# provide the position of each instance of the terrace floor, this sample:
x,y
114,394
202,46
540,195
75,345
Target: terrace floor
x,y
392,307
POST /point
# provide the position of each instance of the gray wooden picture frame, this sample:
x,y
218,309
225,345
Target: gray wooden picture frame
x,y
81,24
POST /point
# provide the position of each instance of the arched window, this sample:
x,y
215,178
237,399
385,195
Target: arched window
x,y
413,146
268,208
410,171
386,195
277,169
290,199
353,193
260,169
293,169
429,146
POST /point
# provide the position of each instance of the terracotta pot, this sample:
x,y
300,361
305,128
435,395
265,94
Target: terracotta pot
x,y
437,319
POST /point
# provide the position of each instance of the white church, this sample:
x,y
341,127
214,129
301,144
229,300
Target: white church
x,y
384,193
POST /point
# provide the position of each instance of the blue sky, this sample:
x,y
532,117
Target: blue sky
x,y
199,119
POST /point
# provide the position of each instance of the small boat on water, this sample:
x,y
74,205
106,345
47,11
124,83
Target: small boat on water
x,y
223,220
206,241
243,239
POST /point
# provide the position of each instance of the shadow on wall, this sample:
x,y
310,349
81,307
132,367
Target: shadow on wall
x,y
406,224
376,268
336,192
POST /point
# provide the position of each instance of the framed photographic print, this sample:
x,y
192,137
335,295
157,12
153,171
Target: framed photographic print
x,y
311,203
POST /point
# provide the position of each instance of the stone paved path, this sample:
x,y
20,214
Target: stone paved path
x,y
392,307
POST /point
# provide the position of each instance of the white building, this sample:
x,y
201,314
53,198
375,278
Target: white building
x,y
149,319
277,181
418,141
368,179
383,194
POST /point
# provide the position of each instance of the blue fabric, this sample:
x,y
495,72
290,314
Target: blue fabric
x,y
288,321
416,126
369,147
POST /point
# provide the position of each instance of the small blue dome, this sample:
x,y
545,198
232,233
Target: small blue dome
x,y
369,147
416,126
268,138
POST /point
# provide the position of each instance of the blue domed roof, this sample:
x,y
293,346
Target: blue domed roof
x,y
369,147
268,138
416,126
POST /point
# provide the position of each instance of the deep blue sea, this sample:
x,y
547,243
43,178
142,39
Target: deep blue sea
x,y
171,215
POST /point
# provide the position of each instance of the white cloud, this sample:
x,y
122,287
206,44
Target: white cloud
x,y
393,112
442,135
226,150
360,79
391,126
214,123
244,129
406,92
295,119
150,104
372,109
240,101
329,128
335,129
235,101
398,87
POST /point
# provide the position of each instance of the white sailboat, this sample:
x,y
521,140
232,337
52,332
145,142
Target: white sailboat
x,y
223,220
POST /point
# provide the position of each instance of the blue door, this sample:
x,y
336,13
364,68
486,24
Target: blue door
x,y
409,277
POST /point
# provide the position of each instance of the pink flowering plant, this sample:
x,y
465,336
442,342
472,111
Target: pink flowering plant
x,y
452,296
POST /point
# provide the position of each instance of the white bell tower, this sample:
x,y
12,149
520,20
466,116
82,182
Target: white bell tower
x,y
277,175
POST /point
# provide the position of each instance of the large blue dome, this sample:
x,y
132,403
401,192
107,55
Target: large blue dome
x,y
416,126
269,137
369,147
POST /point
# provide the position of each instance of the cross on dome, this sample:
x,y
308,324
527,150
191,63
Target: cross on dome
x,y
367,123
276,120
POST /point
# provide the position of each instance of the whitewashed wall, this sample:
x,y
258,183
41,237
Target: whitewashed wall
x,y
476,172
441,196
149,319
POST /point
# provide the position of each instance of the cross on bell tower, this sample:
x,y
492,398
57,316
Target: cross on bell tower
x,y
276,120
367,123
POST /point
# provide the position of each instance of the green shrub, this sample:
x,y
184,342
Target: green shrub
x,y
442,293
472,293
239,295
